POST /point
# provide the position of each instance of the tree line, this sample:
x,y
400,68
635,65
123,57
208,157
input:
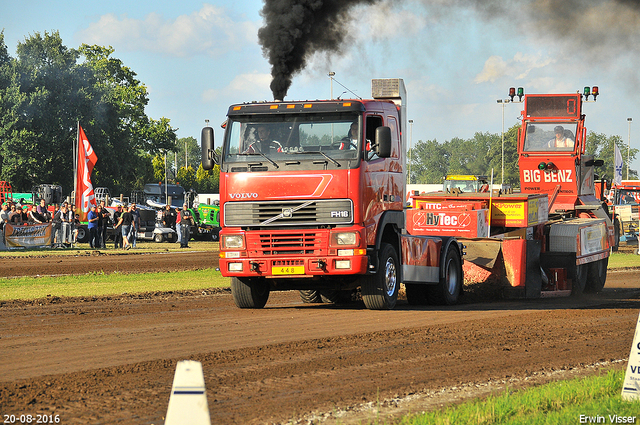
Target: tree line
x,y
432,161
48,88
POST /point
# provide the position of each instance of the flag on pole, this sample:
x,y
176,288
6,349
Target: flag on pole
x,y
87,158
617,168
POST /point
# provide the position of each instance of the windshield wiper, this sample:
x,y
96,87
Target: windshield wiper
x,y
336,163
263,155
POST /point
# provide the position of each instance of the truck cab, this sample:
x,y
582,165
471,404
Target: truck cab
x,y
311,197
465,183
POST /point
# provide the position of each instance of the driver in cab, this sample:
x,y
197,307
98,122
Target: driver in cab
x,y
265,143
560,141
351,140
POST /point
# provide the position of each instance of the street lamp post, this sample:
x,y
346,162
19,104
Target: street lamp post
x,y
410,146
502,103
331,75
628,145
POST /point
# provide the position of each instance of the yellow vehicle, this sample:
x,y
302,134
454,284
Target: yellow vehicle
x,y
465,183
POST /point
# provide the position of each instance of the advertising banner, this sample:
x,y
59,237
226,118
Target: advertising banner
x,y
28,235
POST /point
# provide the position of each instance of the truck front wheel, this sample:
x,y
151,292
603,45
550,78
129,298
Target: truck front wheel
x,y
249,293
447,291
380,290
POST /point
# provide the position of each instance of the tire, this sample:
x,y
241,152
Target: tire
x,y
417,293
83,235
448,290
596,276
158,238
580,281
249,293
380,290
309,296
327,296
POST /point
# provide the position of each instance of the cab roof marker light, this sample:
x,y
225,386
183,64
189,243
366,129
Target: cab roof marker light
x,y
291,106
273,107
346,104
307,105
237,108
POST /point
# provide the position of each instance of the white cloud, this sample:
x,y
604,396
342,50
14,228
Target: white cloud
x,y
242,88
208,31
518,67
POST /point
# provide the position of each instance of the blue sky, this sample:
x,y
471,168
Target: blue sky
x,y
457,57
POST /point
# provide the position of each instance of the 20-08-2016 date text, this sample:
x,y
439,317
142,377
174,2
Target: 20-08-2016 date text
x,y
26,418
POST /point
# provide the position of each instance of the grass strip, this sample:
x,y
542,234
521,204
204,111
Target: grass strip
x,y
594,399
99,284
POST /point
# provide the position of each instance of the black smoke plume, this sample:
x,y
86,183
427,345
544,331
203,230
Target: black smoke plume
x,y
296,29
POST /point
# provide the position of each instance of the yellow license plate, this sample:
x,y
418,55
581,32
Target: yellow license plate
x,y
287,270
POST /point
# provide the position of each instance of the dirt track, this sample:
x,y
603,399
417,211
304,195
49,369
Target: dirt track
x,y
112,359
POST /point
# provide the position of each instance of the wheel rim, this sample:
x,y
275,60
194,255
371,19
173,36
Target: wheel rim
x,y
451,277
390,277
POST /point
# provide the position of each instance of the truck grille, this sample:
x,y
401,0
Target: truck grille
x,y
288,213
287,243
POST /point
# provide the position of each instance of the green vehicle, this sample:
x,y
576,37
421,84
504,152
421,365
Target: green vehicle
x,y
207,221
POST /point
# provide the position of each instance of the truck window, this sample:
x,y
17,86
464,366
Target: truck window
x,y
550,137
373,122
293,139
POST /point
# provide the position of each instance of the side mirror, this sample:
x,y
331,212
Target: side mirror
x,y
208,154
594,163
383,142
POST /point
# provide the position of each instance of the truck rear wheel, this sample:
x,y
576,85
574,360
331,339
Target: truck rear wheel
x,y
580,281
448,290
596,276
380,290
249,293
327,296
309,296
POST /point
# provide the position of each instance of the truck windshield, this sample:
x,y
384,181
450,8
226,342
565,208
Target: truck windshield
x,y
292,139
549,136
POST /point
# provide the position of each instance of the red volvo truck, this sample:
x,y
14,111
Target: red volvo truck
x,y
311,196
554,236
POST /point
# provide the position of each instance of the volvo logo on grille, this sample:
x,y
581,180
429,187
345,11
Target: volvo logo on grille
x,y
340,214
243,195
287,212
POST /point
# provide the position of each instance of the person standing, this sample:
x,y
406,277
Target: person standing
x,y
117,237
92,218
105,216
4,218
186,220
126,221
135,226
169,216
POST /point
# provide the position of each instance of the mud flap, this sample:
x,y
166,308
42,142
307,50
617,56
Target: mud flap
x,y
533,281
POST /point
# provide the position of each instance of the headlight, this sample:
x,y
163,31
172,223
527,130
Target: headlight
x,y
345,238
233,242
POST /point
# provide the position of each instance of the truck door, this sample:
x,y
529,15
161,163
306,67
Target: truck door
x,y
376,179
